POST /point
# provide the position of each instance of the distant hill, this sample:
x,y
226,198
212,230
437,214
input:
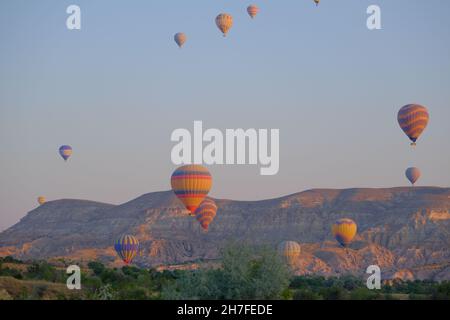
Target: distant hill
x,y
406,231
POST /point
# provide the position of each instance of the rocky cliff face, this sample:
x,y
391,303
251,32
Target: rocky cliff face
x,y
406,231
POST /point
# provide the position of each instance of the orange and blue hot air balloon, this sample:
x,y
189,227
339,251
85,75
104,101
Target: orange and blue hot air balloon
x,y
65,152
344,230
127,247
412,174
191,184
180,39
206,212
413,119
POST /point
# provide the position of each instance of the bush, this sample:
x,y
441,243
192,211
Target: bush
x,y
44,271
364,294
10,259
246,273
7,272
334,293
306,294
96,267
442,292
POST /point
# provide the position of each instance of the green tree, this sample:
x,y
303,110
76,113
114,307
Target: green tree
x,y
246,273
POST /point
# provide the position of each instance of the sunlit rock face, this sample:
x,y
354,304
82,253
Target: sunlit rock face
x,y
405,231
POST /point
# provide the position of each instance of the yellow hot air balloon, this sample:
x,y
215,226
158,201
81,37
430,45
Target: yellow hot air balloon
x,y
206,212
344,230
191,184
224,22
41,200
180,38
252,10
413,119
290,251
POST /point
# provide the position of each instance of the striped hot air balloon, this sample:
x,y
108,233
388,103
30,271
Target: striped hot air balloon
x,y
127,247
252,10
65,152
413,119
41,200
180,38
224,22
344,230
191,184
412,174
206,212
290,251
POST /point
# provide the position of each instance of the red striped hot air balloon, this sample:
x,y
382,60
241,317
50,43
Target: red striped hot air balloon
x,y
191,184
413,119
252,10
412,174
206,212
344,230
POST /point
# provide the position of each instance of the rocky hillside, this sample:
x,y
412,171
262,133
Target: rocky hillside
x,y
406,231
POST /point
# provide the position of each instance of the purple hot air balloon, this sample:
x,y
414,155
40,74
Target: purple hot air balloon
x,y
413,174
65,152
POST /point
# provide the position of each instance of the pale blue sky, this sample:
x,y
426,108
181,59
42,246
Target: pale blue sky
x,y
116,89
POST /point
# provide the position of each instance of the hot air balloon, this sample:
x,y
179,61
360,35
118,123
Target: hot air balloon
x,y
180,38
252,10
317,2
127,247
65,152
413,119
191,184
413,174
206,212
344,230
224,22
290,251
41,200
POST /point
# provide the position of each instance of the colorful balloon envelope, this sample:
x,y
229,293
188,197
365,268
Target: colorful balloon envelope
x,y
413,119
41,200
191,184
180,39
224,22
412,174
289,250
65,152
344,230
127,247
206,212
252,10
